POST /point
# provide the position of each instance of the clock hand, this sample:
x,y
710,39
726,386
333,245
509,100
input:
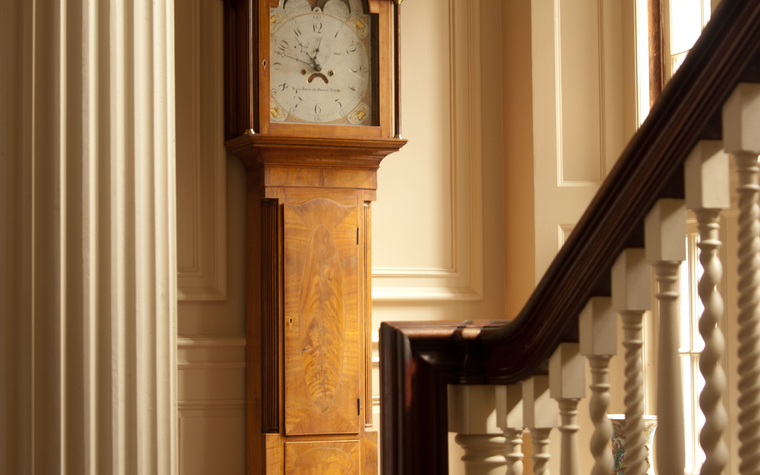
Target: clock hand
x,y
299,60
317,66
314,64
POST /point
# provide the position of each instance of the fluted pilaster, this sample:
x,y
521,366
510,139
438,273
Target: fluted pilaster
x,y
90,281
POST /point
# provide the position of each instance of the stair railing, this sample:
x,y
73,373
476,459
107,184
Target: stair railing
x,y
636,221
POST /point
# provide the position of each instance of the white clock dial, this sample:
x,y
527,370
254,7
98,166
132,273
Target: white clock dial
x,y
320,68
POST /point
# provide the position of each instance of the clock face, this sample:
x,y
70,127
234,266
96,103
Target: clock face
x,y
321,70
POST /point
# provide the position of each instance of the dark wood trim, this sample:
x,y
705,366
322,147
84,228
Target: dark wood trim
x,y
397,65
240,28
270,316
655,50
419,359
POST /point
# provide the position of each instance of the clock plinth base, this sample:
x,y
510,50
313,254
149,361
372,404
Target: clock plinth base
x,y
341,456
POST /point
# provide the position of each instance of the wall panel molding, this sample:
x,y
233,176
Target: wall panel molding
x,y
201,158
211,375
463,279
579,57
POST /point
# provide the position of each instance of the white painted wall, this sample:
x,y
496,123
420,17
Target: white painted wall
x,y
210,254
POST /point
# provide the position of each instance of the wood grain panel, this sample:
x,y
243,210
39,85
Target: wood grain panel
x,y
321,318
274,455
370,453
322,458
349,178
270,315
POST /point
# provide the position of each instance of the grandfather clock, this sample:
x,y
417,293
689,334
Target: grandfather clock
x,y
312,107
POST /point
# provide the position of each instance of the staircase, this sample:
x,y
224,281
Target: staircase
x,y
532,368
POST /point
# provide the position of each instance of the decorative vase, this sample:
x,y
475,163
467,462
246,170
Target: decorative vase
x,y
618,441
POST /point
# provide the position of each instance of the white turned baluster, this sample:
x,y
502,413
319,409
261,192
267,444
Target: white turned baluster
x,y
706,179
509,415
665,235
741,138
631,297
472,415
567,385
540,416
597,327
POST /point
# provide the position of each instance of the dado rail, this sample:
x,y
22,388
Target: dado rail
x,y
678,160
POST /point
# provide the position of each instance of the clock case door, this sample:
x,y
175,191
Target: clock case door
x,y
247,75
322,316
309,321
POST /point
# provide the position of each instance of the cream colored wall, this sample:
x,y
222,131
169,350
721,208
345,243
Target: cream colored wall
x,y
517,107
210,254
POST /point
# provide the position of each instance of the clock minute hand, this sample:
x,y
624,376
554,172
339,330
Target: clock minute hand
x,y
299,60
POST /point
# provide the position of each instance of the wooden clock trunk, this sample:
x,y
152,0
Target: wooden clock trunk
x,y
310,189
309,320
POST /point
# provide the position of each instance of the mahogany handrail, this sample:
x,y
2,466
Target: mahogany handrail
x,y
418,359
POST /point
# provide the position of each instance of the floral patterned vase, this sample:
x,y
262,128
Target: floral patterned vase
x,y
618,441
